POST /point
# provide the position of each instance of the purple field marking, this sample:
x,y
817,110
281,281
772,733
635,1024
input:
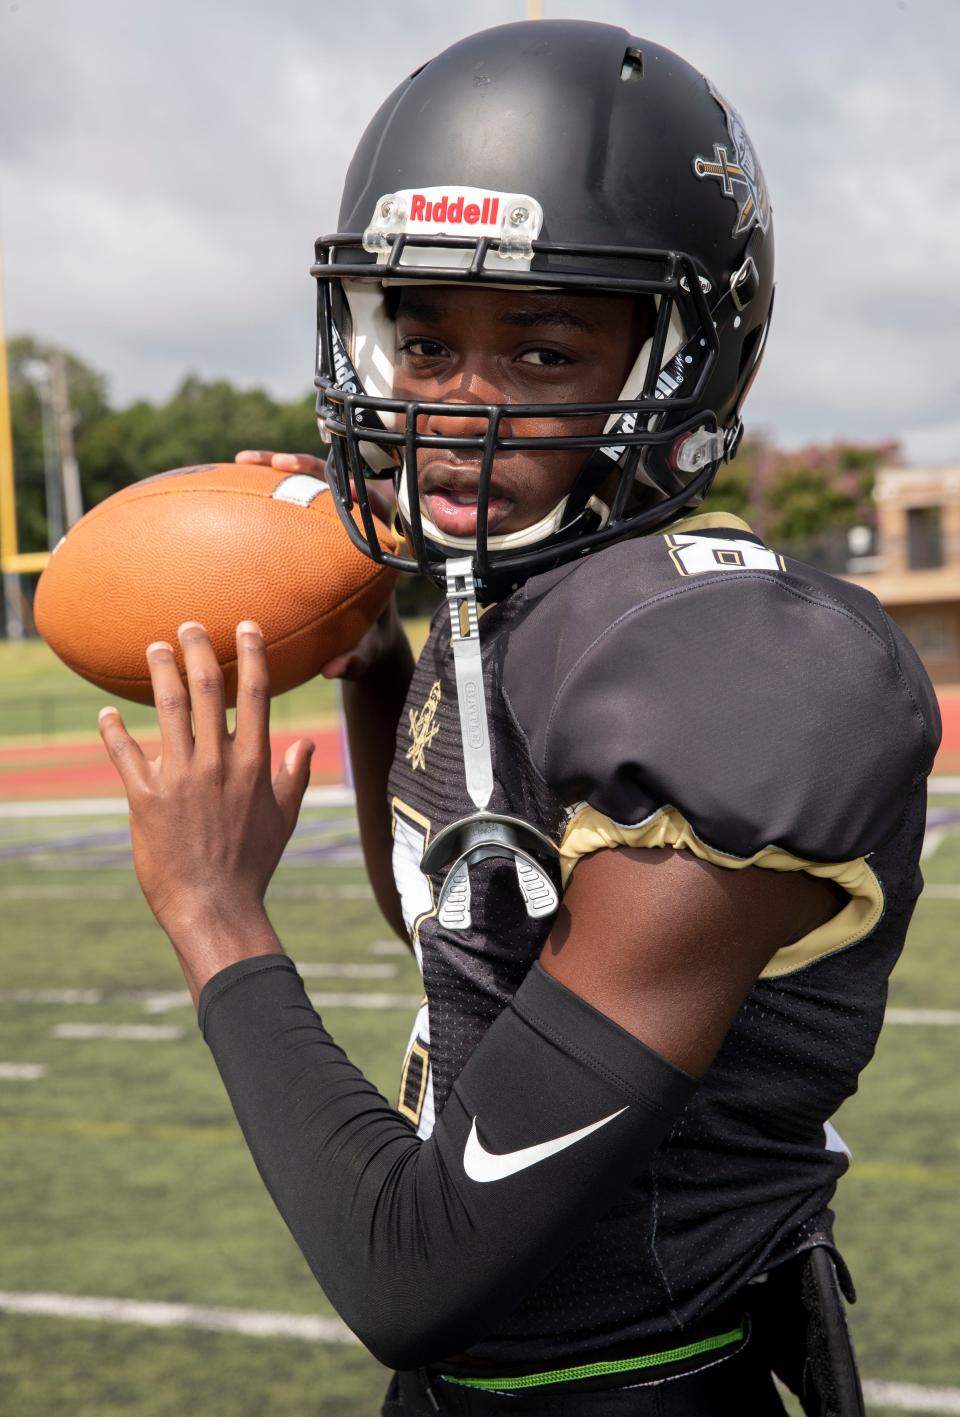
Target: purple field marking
x,y
323,841
68,843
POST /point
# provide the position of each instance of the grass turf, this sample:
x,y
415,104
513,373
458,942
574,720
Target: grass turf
x,y
124,1174
41,698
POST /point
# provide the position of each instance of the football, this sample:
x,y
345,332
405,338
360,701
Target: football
x,y
219,543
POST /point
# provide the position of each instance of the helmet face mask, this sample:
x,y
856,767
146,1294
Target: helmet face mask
x,y
678,413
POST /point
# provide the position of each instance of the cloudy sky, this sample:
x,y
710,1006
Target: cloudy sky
x,y
164,170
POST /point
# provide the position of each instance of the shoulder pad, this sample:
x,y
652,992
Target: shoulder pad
x,y
768,702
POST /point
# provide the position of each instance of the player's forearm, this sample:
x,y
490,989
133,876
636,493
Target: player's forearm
x,y
372,706
424,1247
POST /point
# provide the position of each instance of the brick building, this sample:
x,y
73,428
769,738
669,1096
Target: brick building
x,y
913,566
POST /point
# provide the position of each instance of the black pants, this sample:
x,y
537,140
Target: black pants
x,y
738,1386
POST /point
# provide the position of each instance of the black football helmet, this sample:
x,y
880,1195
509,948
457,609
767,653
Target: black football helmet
x,y
549,155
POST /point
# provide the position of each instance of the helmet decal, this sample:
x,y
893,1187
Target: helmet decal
x,y
511,218
740,177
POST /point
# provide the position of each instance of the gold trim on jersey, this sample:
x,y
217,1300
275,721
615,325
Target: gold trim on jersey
x,y
589,830
414,1111
710,521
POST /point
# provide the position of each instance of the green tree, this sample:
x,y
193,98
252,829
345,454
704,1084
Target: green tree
x,y
806,502
202,422
732,491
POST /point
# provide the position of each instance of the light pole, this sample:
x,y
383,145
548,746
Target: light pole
x,y
39,373
64,498
64,420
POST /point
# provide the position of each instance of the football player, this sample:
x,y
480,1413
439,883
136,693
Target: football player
x,y
649,806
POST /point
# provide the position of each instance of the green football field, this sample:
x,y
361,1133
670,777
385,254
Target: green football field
x,y
124,1177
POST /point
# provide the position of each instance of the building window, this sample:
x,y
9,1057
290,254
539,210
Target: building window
x,y
924,538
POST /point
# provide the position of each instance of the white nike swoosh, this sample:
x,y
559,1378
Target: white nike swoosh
x,y
482,1165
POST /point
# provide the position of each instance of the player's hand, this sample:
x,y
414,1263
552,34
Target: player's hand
x,y
208,822
379,493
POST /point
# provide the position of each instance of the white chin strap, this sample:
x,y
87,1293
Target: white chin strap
x,y
547,526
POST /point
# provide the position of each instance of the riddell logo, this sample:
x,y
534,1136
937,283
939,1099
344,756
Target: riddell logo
x,y
455,213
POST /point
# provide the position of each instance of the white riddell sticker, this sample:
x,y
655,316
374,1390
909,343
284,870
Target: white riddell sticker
x,y
456,211
483,1165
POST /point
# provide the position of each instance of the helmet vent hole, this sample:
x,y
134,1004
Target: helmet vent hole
x,y
748,351
632,67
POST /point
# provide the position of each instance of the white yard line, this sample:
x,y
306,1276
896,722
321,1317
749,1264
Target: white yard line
x,y
908,1397
125,1032
117,806
22,1072
944,1017
70,807
912,1397
936,892
137,1311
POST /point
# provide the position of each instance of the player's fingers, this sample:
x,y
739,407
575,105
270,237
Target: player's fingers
x,y
254,455
252,734
283,462
205,682
299,462
171,702
292,778
125,754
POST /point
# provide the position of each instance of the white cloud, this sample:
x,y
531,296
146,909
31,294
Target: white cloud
x,y
165,170
937,443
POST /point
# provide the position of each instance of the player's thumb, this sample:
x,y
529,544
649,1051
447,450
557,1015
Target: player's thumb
x,y
292,778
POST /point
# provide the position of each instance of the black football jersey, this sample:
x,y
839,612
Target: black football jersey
x,y
696,690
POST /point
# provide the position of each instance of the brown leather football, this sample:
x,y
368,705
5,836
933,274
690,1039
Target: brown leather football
x,y
219,543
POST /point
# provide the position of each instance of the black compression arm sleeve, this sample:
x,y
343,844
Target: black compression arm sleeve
x,y
423,1246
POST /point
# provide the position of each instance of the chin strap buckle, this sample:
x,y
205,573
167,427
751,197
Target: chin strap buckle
x,y
744,284
483,834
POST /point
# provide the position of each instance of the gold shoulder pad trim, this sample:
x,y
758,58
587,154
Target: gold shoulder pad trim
x,y
709,521
589,830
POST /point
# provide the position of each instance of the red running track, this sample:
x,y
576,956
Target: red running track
x,y
38,771
32,770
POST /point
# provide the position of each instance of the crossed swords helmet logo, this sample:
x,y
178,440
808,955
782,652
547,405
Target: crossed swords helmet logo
x,y
740,174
